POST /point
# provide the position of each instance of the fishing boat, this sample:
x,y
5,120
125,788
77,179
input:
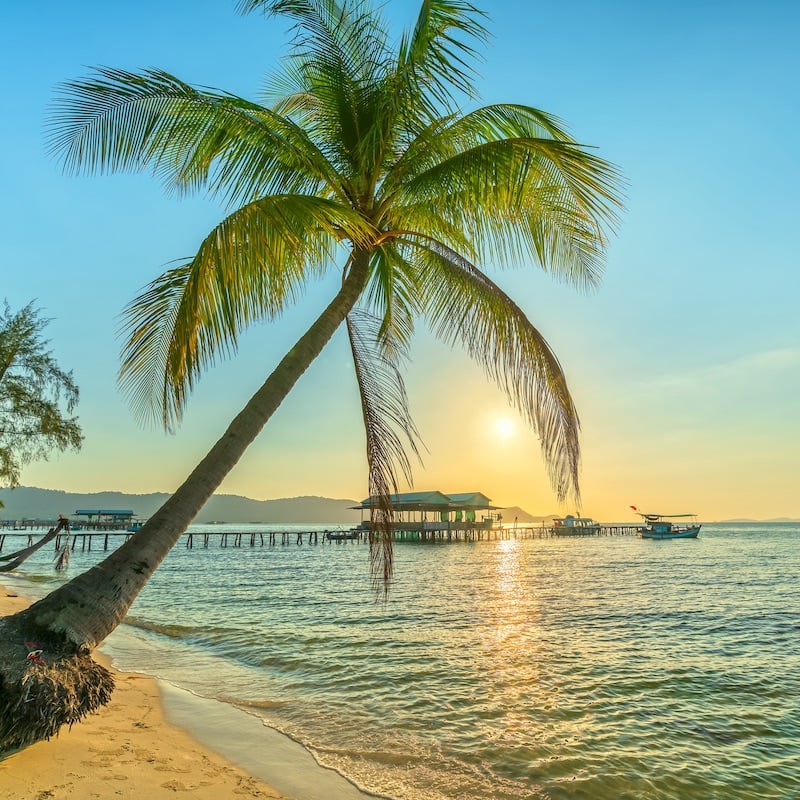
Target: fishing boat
x,y
661,526
341,536
575,526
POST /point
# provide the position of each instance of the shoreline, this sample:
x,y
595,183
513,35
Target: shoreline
x,y
265,753
157,740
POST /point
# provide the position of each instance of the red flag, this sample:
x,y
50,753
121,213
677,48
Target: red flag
x,y
634,508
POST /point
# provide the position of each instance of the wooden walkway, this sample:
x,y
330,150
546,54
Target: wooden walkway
x,y
418,533
88,540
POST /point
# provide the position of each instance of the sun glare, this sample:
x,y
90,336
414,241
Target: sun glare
x,y
504,428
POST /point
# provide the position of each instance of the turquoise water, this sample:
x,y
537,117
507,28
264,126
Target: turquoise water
x,y
593,668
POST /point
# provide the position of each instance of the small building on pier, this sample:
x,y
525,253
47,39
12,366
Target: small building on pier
x,y
436,511
105,518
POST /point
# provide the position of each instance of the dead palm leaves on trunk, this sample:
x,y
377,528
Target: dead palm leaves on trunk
x,y
45,688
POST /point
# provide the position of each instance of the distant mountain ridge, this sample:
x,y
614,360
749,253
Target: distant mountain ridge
x,y
513,513
773,520
27,502
30,502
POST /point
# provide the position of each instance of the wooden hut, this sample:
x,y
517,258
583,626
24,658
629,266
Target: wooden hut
x,y
434,511
104,518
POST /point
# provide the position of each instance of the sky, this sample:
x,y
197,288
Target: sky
x,y
684,364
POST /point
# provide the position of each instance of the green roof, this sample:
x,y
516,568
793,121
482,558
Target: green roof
x,y
91,512
476,499
433,501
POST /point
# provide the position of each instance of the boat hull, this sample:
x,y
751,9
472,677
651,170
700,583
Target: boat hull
x,y
685,533
341,536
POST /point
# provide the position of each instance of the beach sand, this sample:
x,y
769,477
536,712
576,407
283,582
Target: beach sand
x,y
127,750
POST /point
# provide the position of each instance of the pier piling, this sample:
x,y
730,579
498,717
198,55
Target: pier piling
x,y
410,532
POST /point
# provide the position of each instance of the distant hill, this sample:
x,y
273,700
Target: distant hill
x,y
515,512
774,520
27,502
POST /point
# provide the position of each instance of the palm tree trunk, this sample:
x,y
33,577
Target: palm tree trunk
x,y
85,610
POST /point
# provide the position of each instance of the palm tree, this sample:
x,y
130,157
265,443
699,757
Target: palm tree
x,y
362,158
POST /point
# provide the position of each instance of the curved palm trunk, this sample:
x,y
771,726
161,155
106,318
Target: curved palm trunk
x,y
85,610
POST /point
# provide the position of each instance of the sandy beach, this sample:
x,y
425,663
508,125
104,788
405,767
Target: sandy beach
x,y
126,750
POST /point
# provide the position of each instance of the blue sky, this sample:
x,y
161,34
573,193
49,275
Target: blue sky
x,y
685,364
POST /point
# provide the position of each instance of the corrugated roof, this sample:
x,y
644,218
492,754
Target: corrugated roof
x,y
477,499
108,512
417,497
433,501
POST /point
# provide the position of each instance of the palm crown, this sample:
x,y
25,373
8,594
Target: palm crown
x,y
363,156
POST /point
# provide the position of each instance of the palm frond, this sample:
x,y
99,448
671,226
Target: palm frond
x,y
117,120
435,60
387,423
149,330
344,34
250,267
512,186
466,308
335,79
518,200
393,296
450,135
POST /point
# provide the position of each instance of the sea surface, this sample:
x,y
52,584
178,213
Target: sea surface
x,y
598,668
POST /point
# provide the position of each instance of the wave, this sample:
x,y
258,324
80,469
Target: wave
x,y
173,630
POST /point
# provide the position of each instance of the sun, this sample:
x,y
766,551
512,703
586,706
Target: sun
x,y
504,428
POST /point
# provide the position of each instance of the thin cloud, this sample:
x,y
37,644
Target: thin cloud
x,y
767,364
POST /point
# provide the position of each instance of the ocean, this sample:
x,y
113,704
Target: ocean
x,y
599,668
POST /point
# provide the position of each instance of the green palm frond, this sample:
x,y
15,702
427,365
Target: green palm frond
x,y
119,120
149,331
387,423
465,308
335,80
342,36
512,186
250,267
436,59
383,396
393,296
515,201
447,136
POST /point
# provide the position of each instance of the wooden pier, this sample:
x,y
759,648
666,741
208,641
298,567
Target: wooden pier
x,y
88,540
424,532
